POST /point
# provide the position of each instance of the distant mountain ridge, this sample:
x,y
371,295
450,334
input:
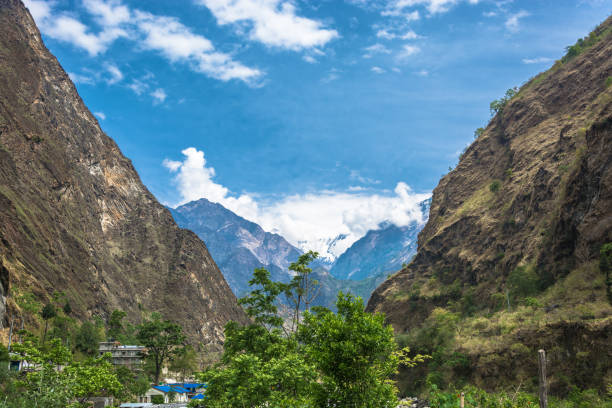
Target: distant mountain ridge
x,y
237,245
380,251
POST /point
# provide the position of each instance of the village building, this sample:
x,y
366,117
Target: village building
x,y
177,392
123,355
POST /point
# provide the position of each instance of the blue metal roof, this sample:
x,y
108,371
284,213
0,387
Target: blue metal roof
x,y
198,397
163,388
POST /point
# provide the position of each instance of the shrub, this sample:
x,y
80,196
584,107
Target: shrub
x,y
498,105
523,282
478,132
495,186
608,81
533,302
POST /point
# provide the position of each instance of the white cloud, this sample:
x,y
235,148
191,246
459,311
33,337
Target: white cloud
x,y
115,74
513,21
388,34
375,49
166,35
101,115
538,60
81,79
310,59
177,43
272,22
109,13
138,87
378,70
309,220
159,96
397,7
407,51
422,73
40,9
195,180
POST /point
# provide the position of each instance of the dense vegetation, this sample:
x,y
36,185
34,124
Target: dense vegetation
x,y
61,342
316,359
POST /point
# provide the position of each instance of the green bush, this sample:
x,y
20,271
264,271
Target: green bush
x,y
523,282
495,186
498,105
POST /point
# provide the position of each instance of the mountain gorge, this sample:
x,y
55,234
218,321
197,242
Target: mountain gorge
x,y
74,214
509,260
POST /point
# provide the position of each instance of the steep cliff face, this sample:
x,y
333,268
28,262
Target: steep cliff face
x,y
74,215
533,192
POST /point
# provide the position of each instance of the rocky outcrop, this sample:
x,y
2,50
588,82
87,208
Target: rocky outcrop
x,y
534,190
74,215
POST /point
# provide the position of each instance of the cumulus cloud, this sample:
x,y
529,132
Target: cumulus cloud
x,y
163,34
378,70
310,221
271,22
194,180
513,21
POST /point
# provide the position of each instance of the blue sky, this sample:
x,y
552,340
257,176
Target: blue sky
x,y
309,117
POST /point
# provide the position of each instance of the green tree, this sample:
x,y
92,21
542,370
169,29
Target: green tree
x,y
48,312
67,308
184,361
260,303
302,289
605,265
87,339
498,105
342,360
93,377
161,338
355,353
115,324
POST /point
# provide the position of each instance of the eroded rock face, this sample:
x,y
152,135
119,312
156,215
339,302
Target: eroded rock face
x,y
550,150
74,215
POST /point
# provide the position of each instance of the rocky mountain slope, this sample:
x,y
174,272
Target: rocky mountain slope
x,y
508,261
380,251
74,215
237,245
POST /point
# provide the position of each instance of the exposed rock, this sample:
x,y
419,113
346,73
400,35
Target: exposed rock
x,y
74,215
550,149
